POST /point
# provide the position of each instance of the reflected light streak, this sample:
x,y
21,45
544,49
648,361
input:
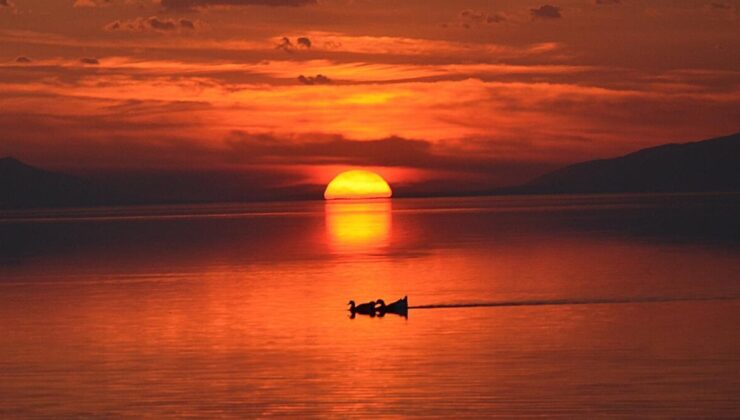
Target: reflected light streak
x,y
357,226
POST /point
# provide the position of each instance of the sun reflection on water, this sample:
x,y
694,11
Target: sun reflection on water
x,y
357,226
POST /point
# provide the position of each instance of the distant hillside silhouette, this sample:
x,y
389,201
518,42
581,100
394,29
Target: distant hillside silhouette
x,y
701,166
23,186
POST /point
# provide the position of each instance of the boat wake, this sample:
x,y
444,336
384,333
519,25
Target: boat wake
x,y
589,301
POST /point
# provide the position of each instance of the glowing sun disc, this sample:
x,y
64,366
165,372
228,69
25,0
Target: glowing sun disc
x,y
357,184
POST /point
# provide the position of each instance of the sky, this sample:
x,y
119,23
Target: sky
x,y
266,97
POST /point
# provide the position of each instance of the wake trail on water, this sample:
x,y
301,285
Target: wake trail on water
x,y
589,301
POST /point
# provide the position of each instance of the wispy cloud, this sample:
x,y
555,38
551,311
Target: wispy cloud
x,y
186,5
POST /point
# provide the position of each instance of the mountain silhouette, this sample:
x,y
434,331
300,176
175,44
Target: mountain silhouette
x,y
23,186
702,166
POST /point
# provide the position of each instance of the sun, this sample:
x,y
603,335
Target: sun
x,y
357,184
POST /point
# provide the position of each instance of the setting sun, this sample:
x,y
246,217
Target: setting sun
x,y
357,184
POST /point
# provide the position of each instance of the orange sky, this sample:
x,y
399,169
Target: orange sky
x,y
463,94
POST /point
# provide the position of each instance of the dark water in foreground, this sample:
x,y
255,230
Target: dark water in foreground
x,y
557,306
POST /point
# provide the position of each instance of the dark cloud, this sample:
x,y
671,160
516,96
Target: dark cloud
x,y
187,24
162,25
472,15
287,45
88,60
546,12
23,59
6,3
185,5
319,79
151,24
391,151
470,18
603,2
495,18
303,42
266,148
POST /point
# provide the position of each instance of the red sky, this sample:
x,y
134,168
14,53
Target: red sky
x,y
449,94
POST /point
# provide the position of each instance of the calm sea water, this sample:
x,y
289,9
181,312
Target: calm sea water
x,y
604,305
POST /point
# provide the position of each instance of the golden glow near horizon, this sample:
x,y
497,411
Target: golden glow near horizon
x,y
357,184
459,96
358,225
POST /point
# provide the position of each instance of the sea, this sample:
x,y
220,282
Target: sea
x,y
579,306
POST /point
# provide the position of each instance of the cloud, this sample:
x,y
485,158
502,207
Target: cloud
x,y
88,60
151,24
319,79
326,149
303,42
392,151
546,12
188,5
187,24
721,6
23,59
603,2
495,18
287,45
470,18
